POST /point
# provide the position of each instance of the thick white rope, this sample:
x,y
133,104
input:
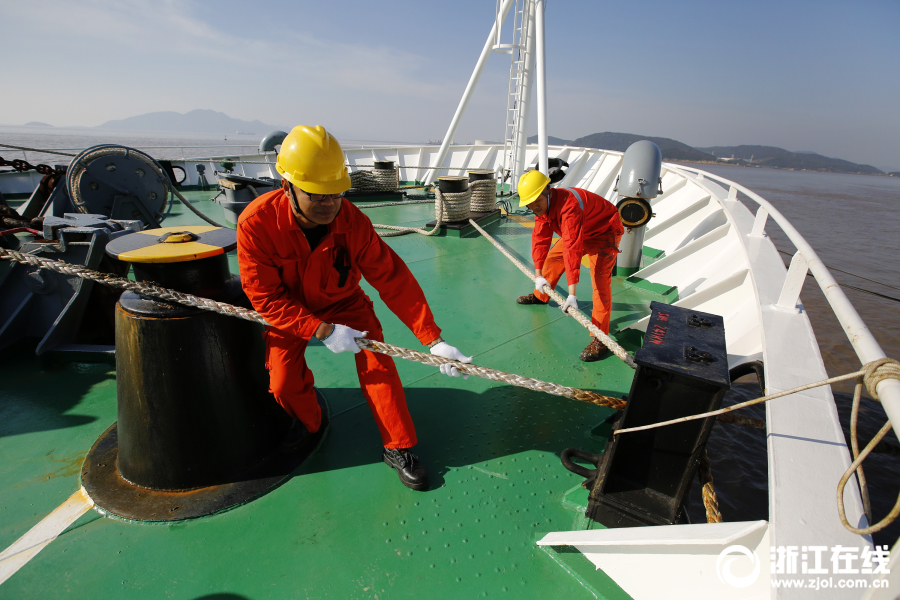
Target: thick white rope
x,y
579,316
155,291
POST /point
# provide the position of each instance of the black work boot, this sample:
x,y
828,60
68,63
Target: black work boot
x,y
412,473
594,351
294,437
529,299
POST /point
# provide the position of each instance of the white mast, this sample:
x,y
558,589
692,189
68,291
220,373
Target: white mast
x,y
541,76
470,88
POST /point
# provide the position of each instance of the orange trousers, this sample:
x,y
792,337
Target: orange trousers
x,y
602,259
291,381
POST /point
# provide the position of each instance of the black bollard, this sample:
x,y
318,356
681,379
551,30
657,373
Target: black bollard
x,y
197,430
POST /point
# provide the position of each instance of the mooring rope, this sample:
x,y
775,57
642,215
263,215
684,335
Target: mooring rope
x,y
885,368
708,492
27,149
579,316
403,203
155,291
870,375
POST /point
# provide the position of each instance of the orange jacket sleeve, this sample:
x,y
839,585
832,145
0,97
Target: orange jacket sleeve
x,y
262,284
396,286
571,219
541,237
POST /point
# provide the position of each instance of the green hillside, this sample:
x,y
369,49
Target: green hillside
x,y
762,156
770,156
671,149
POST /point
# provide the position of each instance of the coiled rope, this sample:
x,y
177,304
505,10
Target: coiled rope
x,y
452,206
484,194
871,375
447,207
377,180
79,167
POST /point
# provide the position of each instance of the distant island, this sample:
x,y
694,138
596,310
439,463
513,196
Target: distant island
x,y
37,124
749,156
195,121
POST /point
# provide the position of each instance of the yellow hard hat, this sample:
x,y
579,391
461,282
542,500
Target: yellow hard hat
x,y
313,160
531,184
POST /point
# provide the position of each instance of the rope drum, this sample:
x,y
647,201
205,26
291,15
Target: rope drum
x,y
79,169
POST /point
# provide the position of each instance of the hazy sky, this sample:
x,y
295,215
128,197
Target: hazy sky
x,y
817,76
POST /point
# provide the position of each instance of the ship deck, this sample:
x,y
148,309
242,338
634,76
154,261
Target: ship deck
x,y
342,526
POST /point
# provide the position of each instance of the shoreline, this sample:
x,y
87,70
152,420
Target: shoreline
x,y
745,166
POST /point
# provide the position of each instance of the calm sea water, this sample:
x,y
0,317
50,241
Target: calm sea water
x,y
851,220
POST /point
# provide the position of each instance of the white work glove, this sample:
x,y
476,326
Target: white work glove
x,y
341,339
539,283
571,302
445,350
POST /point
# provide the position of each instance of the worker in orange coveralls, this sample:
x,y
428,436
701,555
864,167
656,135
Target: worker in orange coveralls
x,y
589,226
302,251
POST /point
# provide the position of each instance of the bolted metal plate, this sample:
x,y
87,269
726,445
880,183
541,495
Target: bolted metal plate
x,y
164,245
108,177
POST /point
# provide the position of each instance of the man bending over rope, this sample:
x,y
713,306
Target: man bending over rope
x,y
302,251
589,226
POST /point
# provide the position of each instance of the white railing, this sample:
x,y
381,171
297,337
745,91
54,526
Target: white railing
x,y
862,340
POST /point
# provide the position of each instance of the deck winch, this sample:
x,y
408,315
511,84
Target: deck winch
x,y
197,429
67,314
637,184
642,477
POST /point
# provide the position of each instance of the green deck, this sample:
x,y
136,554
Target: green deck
x,y
343,526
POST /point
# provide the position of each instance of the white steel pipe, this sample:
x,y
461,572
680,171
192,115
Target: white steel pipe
x,y
541,77
527,87
470,88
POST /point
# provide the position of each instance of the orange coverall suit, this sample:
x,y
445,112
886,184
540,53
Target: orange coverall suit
x,y
296,290
591,227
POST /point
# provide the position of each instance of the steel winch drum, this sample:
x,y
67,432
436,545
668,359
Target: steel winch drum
x,y
453,185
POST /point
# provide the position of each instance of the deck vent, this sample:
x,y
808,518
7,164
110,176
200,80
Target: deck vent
x,y
637,184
